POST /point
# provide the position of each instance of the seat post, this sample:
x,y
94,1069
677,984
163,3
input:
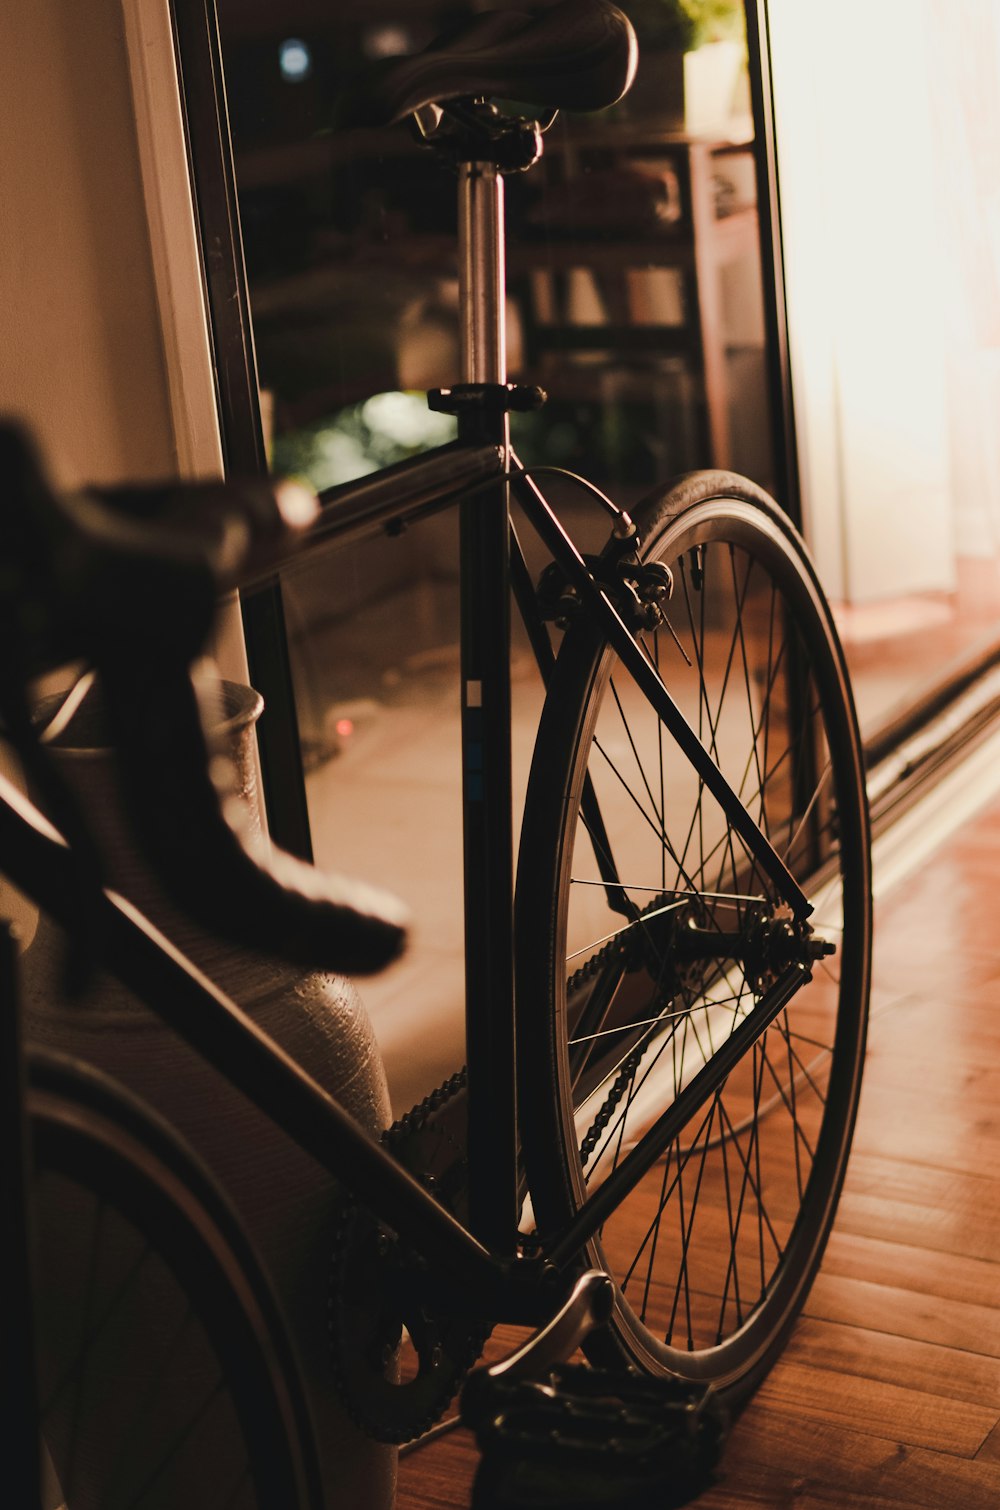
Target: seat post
x,y
481,273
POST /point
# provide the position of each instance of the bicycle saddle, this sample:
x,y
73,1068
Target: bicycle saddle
x,y
129,579
577,55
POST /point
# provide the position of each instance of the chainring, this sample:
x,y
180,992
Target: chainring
x,y
395,1387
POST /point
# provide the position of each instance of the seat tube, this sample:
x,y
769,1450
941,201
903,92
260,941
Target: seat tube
x,y
486,755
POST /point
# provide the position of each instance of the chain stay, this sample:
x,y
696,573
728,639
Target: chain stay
x,y
763,947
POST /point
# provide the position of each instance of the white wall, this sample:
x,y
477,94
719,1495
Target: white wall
x,y
104,350
81,358
81,353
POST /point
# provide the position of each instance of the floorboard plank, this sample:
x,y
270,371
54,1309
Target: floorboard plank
x,y
777,1460
882,1356
854,1256
912,1416
907,1313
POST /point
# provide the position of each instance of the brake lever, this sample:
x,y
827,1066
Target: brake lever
x,y
189,831
130,578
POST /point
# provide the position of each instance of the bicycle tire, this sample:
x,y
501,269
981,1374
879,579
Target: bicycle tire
x,y
165,1378
734,1216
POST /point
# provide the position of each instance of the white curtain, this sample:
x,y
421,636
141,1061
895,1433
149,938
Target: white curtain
x,y
965,110
889,144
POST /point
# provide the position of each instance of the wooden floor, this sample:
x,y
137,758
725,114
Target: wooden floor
x,y
888,1394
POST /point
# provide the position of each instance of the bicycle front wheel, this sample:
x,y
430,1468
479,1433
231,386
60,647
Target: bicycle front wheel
x,y
647,935
165,1378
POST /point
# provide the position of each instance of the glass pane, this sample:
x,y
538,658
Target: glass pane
x,y
634,298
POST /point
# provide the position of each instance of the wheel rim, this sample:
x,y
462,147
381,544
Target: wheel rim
x,y
155,1382
714,1249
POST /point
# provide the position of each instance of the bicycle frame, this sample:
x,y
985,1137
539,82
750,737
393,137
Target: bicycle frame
x,y
490,561
478,1269
469,1275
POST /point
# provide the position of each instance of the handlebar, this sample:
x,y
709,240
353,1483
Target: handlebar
x,y
128,579
150,561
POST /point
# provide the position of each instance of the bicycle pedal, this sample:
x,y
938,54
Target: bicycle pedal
x,y
584,1437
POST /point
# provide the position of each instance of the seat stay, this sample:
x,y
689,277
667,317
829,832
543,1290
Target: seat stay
x,y
637,663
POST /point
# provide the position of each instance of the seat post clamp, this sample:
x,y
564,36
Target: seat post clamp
x,y
486,398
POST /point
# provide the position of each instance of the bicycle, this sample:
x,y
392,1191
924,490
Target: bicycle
x,y
688,940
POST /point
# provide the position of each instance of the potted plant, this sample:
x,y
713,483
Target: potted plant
x,y
690,55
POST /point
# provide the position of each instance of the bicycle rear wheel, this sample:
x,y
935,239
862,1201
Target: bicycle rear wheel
x,y
165,1379
647,935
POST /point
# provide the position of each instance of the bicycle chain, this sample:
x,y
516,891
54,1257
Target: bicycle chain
x,y
415,1120
592,966
630,1064
364,1327
613,946
628,1068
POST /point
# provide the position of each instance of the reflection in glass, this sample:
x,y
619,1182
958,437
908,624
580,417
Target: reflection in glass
x,y
634,297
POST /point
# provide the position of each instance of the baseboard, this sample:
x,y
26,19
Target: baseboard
x,y
908,836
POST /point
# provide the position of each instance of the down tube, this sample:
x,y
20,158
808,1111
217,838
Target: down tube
x,y
647,678
41,866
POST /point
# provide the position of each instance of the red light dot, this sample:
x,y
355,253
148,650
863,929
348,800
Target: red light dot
x,y
344,727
